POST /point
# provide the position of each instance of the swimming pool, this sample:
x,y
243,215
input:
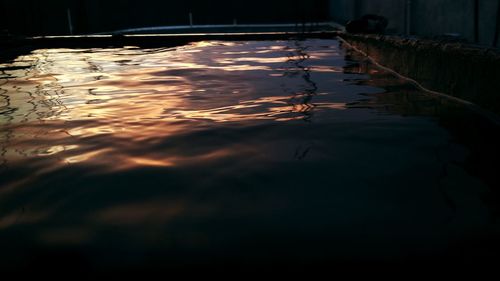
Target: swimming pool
x,y
257,151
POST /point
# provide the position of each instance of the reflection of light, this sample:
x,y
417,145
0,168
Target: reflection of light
x,y
322,68
135,96
236,53
151,162
57,149
85,156
245,67
337,106
253,59
92,131
202,44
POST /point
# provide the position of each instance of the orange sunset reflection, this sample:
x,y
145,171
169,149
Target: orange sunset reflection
x,y
100,105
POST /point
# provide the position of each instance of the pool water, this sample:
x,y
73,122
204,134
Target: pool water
x,y
260,151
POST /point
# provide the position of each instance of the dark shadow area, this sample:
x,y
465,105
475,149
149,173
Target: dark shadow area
x,y
477,132
33,17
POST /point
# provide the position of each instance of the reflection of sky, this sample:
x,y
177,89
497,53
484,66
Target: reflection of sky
x,y
137,94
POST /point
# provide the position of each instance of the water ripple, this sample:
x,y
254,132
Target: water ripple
x,y
139,94
203,146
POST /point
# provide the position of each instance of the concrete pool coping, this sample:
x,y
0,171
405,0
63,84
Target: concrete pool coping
x,y
146,40
465,72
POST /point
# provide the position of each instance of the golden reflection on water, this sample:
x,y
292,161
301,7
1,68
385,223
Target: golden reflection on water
x,y
211,144
54,102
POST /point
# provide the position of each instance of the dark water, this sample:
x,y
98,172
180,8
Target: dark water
x,y
250,152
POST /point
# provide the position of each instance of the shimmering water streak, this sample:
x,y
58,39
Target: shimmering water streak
x,y
137,95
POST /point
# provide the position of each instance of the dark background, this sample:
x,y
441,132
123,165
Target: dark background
x,y
37,17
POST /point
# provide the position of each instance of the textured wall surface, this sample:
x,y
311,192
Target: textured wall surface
x,y
462,71
427,17
30,17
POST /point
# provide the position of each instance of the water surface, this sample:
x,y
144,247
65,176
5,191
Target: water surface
x,y
257,151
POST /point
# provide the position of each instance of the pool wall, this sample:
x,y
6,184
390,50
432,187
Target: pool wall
x,y
466,72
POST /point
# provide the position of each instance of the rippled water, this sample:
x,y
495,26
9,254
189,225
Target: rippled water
x,y
235,150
